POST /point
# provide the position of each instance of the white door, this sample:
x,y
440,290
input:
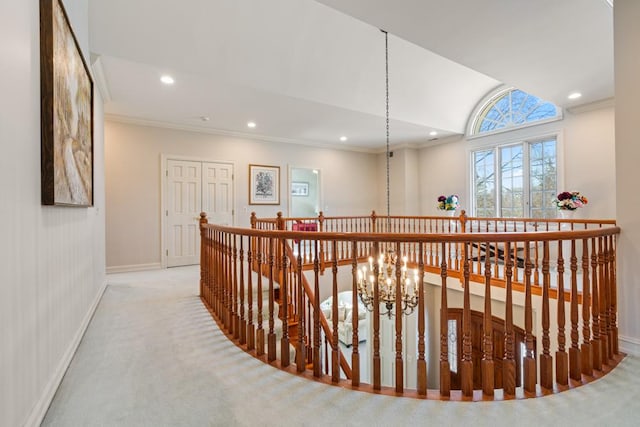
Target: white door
x,y
217,192
194,187
184,204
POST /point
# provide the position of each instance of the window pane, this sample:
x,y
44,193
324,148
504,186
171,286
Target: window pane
x,y
512,191
511,109
543,178
452,345
484,183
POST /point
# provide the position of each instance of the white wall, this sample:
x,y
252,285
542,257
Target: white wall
x,y
627,69
52,258
133,173
587,157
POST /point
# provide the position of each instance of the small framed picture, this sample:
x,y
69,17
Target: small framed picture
x,y
264,185
300,189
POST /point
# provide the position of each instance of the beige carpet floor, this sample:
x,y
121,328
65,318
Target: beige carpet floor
x,y
152,356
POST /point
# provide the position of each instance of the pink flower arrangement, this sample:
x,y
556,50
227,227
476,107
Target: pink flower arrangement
x,y
570,200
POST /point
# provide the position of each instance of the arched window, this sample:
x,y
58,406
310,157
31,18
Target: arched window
x,y
513,176
511,108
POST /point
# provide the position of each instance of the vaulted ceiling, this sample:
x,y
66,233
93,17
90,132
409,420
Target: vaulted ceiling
x,y
312,71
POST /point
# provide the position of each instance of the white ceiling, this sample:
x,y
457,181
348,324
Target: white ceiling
x,y
308,73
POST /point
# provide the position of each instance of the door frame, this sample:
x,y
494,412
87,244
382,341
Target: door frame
x,y
290,179
164,158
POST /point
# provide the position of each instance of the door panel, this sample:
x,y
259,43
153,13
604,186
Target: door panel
x,y
184,202
217,199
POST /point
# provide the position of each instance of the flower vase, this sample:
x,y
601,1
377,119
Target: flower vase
x,y
450,213
566,214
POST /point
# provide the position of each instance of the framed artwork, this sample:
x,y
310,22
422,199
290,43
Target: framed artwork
x,y
300,189
66,112
264,185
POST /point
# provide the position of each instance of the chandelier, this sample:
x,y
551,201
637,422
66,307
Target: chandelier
x,y
384,276
384,273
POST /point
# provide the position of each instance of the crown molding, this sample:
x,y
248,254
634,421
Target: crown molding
x,y
100,79
592,106
221,132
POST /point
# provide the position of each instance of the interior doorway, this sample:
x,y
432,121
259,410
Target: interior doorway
x,y
304,192
191,187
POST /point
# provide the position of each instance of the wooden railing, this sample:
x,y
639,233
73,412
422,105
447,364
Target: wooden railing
x,y
558,286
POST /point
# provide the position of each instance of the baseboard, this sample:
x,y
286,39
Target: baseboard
x,y
629,345
40,409
134,267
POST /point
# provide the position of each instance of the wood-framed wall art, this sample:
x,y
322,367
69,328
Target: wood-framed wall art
x,y
66,93
264,185
299,189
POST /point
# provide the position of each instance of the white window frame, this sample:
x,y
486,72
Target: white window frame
x,y
492,97
520,135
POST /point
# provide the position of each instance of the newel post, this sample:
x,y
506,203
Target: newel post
x,y
279,221
254,220
463,221
203,257
321,219
373,221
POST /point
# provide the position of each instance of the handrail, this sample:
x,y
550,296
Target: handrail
x,y
344,365
575,268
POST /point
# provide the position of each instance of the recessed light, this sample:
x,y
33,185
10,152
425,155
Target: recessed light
x,y
251,125
343,138
166,79
205,118
575,95
433,133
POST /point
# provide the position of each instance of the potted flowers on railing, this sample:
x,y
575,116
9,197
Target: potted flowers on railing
x,y
448,204
568,201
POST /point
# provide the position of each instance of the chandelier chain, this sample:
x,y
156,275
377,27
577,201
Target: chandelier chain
x,y
386,75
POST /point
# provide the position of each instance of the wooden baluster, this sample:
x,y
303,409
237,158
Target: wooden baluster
x,y
301,356
613,303
487,364
251,332
355,352
562,361
604,303
243,321
203,251
335,357
546,361
508,362
317,365
596,343
219,283
271,336
284,307
575,364
376,321
399,361
467,363
236,294
260,256
586,352
530,374
421,362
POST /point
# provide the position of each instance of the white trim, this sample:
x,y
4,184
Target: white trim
x,y
100,78
222,132
629,345
494,95
134,267
593,106
41,407
289,180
